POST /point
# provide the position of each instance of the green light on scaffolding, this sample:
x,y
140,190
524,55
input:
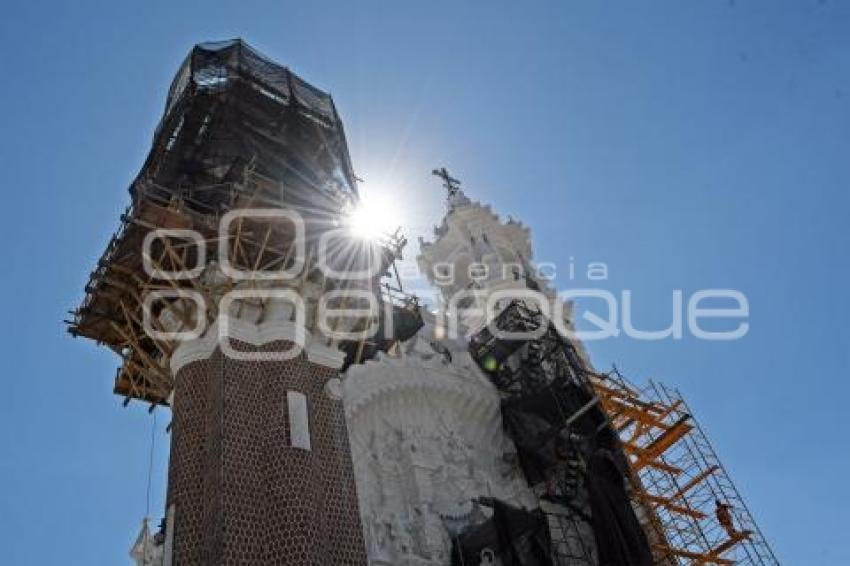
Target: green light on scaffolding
x,y
490,364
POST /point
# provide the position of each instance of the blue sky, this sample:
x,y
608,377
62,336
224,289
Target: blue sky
x,y
686,144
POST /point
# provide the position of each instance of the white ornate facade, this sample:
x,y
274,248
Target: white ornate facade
x,y
425,423
426,435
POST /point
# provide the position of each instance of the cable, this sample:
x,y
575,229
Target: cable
x,y
150,466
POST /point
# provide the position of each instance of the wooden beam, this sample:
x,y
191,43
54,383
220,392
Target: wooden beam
x,y
717,551
668,504
663,442
694,481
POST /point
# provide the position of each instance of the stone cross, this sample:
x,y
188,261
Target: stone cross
x,y
451,184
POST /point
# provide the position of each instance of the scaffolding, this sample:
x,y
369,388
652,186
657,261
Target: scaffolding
x,y
677,475
239,132
683,498
113,310
569,453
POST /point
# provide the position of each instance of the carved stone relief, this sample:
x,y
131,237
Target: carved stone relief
x,y
427,439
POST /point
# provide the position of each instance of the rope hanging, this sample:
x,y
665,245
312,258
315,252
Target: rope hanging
x,y
150,466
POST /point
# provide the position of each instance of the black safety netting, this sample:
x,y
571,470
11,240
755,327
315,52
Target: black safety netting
x,y
535,422
229,108
567,449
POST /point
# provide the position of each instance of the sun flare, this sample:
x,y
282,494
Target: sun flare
x,y
372,220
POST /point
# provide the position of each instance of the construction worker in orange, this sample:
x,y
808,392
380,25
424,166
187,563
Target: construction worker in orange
x,y
724,517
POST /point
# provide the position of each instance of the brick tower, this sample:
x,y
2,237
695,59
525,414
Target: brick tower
x,y
211,293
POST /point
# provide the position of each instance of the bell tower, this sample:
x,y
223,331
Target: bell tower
x,y
214,293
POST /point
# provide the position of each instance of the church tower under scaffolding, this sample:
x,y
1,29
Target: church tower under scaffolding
x,y
476,433
207,292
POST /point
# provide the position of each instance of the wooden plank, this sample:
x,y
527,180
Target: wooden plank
x,y
663,442
739,536
694,481
668,504
658,465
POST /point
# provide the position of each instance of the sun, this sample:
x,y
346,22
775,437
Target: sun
x,y
371,220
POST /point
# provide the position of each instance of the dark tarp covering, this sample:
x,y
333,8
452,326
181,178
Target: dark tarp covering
x,y
406,323
620,539
514,536
536,421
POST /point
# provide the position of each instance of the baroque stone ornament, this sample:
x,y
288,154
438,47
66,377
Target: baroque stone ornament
x,y
426,439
